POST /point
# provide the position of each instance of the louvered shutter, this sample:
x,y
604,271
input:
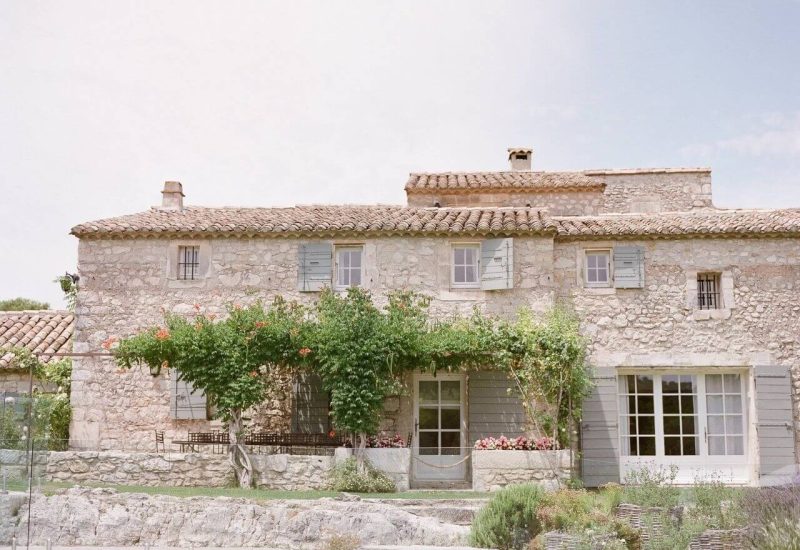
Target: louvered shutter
x,y
314,266
311,405
185,403
628,267
600,431
497,264
775,426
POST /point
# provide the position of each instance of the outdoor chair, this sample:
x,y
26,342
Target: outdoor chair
x,y
160,441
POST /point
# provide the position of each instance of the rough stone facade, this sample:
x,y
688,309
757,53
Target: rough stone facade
x,y
493,470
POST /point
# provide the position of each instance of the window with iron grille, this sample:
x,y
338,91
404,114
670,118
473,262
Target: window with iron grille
x,y
708,291
188,262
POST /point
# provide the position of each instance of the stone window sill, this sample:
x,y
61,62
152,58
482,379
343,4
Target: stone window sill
x,y
711,314
599,291
186,283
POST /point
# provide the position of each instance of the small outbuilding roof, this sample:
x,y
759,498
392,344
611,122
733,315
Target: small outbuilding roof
x,y
43,331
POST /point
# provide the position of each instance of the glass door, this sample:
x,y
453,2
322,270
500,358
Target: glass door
x,y
439,428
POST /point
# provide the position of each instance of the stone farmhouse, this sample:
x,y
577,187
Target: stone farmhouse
x,y
692,312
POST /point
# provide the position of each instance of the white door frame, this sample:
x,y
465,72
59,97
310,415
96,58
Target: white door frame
x,y
422,472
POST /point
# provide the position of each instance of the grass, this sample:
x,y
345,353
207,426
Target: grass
x,y
254,494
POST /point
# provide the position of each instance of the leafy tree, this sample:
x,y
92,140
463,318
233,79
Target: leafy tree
x,y
232,361
22,304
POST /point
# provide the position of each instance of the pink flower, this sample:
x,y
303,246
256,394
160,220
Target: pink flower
x,y
162,334
304,352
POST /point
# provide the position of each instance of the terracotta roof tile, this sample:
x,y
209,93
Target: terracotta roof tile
x,y
301,220
456,182
43,331
703,222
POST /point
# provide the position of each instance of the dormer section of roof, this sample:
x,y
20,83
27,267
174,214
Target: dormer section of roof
x,y
578,193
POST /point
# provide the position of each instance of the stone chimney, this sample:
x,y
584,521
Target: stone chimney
x,y
520,158
172,195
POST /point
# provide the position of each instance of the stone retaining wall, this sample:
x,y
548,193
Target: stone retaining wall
x,y
493,470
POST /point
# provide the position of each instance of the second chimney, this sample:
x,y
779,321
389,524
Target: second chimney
x,y
520,158
172,195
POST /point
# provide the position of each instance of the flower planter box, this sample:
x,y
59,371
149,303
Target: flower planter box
x,y
392,461
493,470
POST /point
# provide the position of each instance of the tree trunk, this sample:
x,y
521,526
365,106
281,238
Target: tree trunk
x,y
361,465
240,461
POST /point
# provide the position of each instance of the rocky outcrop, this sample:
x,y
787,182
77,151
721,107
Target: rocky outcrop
x,y
102,517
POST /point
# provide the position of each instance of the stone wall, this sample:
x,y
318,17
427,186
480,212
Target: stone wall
x,y
562,203
125,287
493,470
16,381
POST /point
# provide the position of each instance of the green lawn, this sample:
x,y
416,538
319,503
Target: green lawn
x,y
256,494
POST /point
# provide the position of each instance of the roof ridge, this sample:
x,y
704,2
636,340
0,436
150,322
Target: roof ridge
x,y
31,311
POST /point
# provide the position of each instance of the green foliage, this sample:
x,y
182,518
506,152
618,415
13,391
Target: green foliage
x,y
509,520
22,304
780,534
652,487
717,505
69,286
348,477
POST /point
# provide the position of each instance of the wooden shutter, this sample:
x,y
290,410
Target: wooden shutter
x,y
497,264
493,410
628,267
311,405
185,403
314,266
775,425
600,431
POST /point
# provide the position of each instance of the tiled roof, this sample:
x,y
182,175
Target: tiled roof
x,y
39,331
302,220
455,182
702,222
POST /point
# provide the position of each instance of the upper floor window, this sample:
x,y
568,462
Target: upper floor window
x,y
598,268
708,291
188,262
349,266
465,266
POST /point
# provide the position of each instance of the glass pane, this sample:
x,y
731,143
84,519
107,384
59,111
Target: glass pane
x,y
732,384
687,384
713,383
451,419
428,419
688,404
644,384
670,403
645,404
627,404
469,274
451,391
429,391
714,404
688,423
602,275
634,444
733,404
355,258
689,446
672,425
458,256
672,446
669,384
460,274
733,424
344,277
344,259
736,445
469,256
647,446
429,443
630,383
647,425
591,276
355,278
716,445
591,261
451,443
716,424
632,425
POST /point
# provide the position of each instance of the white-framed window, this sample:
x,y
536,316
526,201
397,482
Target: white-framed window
x,y
597,268
679,414
349,266
465,265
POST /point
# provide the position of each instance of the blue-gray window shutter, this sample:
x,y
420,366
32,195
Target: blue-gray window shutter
x,y
497,264
314,266
628,267
185,403
775,426
311,405
600,431
495,406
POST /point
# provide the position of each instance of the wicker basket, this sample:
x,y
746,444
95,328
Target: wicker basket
x,y
556,540
648,520
716,539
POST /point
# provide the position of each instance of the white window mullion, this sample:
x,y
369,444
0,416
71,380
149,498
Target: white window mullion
x,y
702,421
658,409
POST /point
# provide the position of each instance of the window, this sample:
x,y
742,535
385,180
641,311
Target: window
x,y
708,291
188,262
349,266
664,415
598,268
465,266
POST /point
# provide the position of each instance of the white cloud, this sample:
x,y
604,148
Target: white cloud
x,y
776,134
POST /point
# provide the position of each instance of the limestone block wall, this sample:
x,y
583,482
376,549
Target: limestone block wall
x,y
127,285
562,203
493,470
667,191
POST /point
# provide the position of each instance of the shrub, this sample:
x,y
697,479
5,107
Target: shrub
x,y
775,512
652,487
509,520
347,477
780,534
719,506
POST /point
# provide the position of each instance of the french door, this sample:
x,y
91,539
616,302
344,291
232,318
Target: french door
x,y
693,420
439,453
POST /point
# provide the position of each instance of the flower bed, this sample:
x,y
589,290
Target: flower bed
x,y
520,443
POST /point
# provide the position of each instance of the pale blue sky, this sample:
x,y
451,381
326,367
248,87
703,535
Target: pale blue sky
x,y
275,103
